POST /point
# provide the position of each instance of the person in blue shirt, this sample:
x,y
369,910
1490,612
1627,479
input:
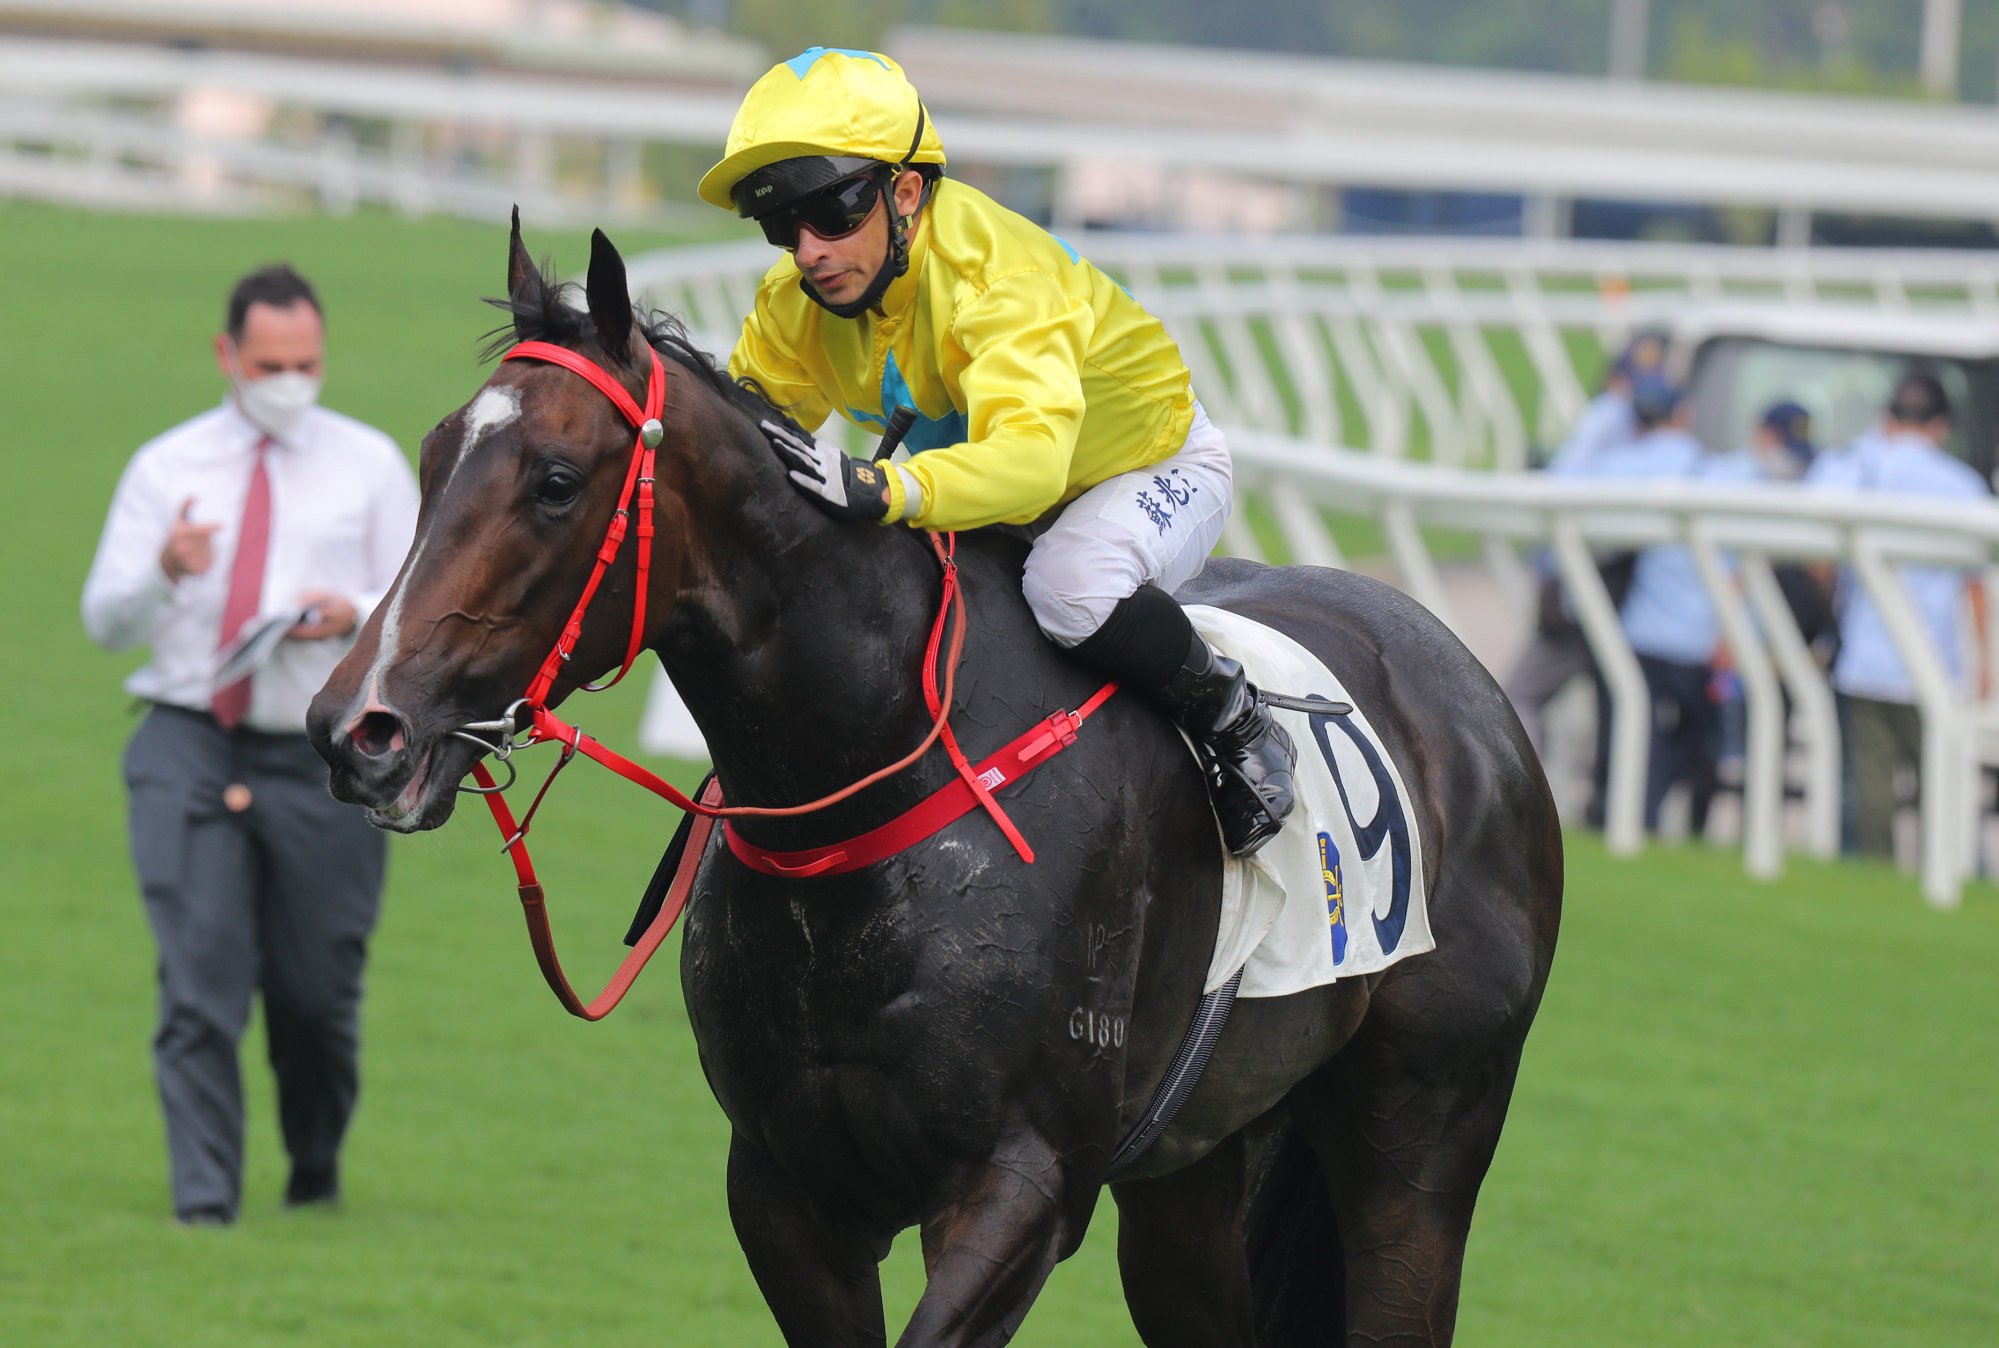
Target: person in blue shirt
x,y
1781,442
1557,652
1779,450
1881,728
1667,615
1606,423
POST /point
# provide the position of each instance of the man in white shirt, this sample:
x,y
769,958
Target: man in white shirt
x,y
1882,731
267,510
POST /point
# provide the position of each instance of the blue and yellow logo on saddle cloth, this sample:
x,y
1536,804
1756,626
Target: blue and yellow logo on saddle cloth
x,y
1336,908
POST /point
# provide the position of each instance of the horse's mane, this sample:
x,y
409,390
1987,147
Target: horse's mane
x,y
551,315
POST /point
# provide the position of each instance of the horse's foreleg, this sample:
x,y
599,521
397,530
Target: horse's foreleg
x,y
991,1249
823,1283
1180,1251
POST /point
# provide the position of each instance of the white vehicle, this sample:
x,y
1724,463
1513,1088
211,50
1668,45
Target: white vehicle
x,y
1840,362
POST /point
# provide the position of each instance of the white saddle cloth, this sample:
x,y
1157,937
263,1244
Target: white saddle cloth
x,y
1340,890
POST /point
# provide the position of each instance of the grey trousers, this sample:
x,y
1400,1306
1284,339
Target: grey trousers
x,y
1881,739
278,897
1544,668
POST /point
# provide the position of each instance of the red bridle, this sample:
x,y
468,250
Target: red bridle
x,y
972,789
638,477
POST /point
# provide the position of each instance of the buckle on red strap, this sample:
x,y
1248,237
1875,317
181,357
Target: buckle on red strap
x,y
1063,724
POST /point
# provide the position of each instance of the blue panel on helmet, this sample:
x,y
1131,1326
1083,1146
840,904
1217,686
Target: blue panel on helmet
x,y
808,58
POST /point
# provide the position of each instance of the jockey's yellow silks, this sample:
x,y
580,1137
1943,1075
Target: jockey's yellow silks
x,y
1035,376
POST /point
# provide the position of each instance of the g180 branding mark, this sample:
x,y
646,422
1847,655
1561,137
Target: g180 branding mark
x,y
1092,1027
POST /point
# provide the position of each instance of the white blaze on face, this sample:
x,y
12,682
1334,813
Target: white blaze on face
x,y
494,409
387,640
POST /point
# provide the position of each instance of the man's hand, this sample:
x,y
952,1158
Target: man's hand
x,y
190,548
336,617
844,487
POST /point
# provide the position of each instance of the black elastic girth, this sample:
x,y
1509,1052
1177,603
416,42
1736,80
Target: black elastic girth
x,y
1181,1077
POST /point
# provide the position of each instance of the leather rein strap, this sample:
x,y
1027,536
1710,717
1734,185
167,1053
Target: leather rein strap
x,y
973,787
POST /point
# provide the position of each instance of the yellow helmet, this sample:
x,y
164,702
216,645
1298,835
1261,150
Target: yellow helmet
x,y
829,103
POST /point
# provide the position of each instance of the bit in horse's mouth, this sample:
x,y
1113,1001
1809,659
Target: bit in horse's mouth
x,y
405,813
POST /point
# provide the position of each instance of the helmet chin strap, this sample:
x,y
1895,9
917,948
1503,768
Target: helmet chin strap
x,y
896,263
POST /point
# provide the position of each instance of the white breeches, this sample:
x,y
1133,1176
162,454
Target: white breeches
x,y
1155,524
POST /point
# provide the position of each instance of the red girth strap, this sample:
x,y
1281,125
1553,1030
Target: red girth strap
x,y
947,805
943,807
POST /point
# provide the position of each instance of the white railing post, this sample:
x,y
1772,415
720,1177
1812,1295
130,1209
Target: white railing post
x,y
1630,700
1412,558
1763,764
1943,803
1811,697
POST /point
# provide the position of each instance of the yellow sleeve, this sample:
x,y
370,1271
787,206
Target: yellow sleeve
x,y
1024,340
762,353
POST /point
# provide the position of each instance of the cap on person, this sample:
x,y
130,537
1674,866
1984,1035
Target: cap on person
x,y
1654,399
1919,399
1791,424
1643,354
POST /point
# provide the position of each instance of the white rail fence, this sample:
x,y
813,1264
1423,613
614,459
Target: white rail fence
x,y
1465,352
1735,533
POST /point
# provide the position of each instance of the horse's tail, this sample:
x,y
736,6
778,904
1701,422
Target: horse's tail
x,y
1297,1271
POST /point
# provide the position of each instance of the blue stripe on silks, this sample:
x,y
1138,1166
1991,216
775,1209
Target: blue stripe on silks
x,y
808,58
928,432
1076,258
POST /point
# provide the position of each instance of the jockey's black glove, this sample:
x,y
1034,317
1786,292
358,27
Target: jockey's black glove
x,y
844,487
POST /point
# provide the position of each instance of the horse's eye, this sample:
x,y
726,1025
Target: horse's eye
x,y
558,488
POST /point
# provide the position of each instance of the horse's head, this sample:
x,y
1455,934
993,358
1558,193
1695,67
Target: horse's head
x,y
519,488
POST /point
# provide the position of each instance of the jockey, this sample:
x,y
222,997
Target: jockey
x,y
1043,395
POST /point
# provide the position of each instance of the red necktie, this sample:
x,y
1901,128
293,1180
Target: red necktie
x,y
246,582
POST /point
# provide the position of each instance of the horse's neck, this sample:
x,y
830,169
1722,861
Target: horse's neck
x,y
795,641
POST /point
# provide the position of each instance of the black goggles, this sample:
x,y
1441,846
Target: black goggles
x,y
833,212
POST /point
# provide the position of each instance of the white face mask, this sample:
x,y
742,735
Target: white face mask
x,y
274,403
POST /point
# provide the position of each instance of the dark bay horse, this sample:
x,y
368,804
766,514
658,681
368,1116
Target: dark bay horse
x,y
921,1042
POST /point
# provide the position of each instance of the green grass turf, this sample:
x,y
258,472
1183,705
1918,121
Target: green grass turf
x,y
1750,1114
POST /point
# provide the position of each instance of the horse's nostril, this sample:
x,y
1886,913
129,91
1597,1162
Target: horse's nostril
x,y
376,734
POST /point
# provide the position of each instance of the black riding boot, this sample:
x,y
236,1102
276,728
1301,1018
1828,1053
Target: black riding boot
x,y
1148,645
1249,756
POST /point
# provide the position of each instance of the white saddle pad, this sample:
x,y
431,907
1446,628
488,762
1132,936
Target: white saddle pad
x,y
1340,890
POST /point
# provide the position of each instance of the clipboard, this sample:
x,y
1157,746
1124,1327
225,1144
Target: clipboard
x,y
256,643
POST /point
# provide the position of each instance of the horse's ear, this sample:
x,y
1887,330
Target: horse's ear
x,y
610,298
524,283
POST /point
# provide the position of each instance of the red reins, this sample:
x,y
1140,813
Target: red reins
x,y
973,788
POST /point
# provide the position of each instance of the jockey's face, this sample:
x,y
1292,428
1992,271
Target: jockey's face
x,y
841,269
